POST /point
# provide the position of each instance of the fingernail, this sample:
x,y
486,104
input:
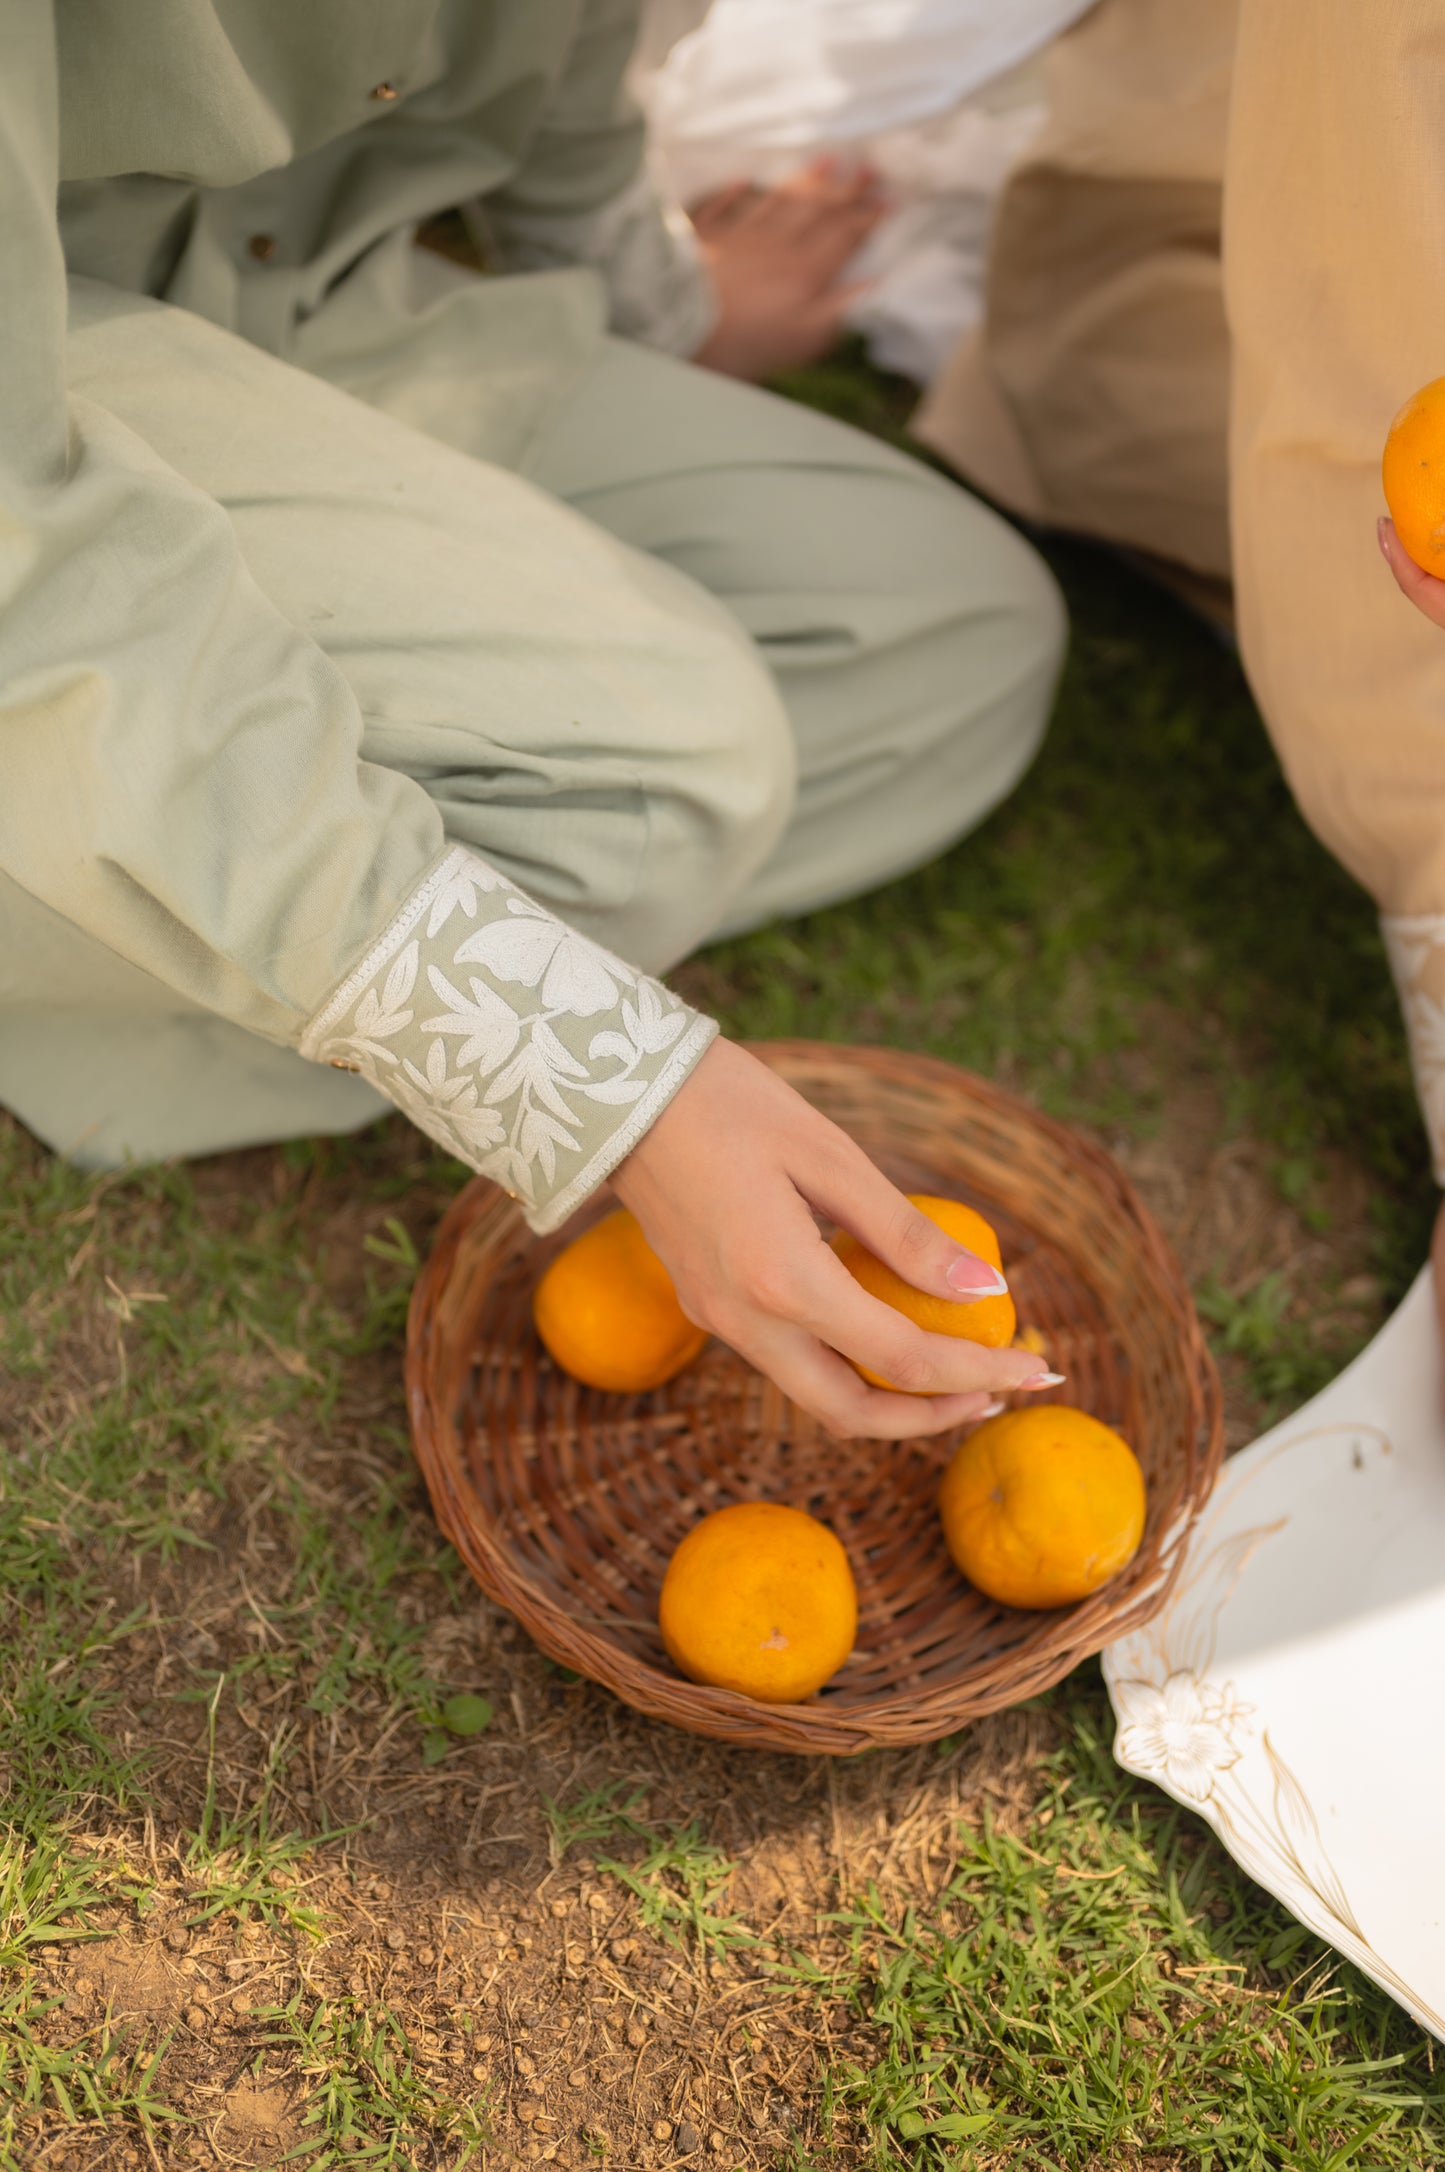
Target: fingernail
x,y
992,1410
1382,537
969,1277
1044,1380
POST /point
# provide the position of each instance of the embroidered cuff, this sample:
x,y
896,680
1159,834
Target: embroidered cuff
x,y
523,1048
1415,944
658,290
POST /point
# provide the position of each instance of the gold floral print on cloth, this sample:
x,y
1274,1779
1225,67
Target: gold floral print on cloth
x,y
524,1048
1183,1730
1188,1730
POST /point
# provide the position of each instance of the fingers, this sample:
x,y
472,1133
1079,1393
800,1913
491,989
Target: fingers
x,y
830,1391
1422,588
858,1196
795,1284
827,1302
824,206
791,1283
726,1184
835,238
713,214
831,180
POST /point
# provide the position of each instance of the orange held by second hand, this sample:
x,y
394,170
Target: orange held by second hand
x,y
987,1320
608,1313
1413,472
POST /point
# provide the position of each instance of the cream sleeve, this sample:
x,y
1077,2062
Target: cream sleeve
x,y
1334,254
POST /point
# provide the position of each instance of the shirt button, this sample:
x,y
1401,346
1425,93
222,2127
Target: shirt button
x,y
385,93
262,247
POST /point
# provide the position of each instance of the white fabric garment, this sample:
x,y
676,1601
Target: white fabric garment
x,y
943,96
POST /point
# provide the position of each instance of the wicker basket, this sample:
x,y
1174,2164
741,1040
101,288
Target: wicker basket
x,y
566,1503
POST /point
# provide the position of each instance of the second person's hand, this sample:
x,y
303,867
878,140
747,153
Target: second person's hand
x,y
726,1185
776,257
1423,589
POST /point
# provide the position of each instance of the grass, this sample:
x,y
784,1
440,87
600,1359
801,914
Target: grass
x,y
1286,1365
143,1439
100,2081
590,1818
678,1878
680,1886
1096,1985
226,1613
368,2099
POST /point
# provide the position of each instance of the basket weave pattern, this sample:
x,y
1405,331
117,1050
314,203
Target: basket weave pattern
x,y
566,1503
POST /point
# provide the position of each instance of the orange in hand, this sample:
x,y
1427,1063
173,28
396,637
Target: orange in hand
x,y
1413,472
759,1598
608,1313
989,1320
1042,1506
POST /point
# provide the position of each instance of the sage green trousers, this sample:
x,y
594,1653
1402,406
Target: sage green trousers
x,y
829,665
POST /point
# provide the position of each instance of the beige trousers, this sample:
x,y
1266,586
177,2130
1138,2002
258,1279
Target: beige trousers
x,y
1095,395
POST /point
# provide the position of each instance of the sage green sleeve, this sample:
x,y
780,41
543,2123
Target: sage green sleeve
x,y
528,1050
182,779
584,194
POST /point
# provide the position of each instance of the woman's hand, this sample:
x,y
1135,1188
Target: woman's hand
x,y
726,1185
776,258
1422,588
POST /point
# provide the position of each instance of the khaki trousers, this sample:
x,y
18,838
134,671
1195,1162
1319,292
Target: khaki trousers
x,y
1095,395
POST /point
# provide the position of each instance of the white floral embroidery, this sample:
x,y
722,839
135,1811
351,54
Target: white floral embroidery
x,y
504,1081
470,878
1415,944
532,945
488,1028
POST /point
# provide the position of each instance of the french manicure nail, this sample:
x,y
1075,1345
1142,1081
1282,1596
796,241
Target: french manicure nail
x,y
965,1279
1044,1380
992,1410
1382,537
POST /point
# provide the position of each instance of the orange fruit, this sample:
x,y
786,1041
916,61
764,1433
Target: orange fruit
x,y
608,1313
759,1598
1041,1506
989,1320
1413,471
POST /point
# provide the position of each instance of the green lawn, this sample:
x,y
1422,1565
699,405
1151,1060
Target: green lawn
x,y
231,1634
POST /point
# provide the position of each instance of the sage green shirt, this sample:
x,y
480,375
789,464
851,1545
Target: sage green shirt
x,y
180,766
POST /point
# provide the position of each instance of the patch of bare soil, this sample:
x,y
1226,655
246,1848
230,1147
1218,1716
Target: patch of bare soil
x,y
541,1989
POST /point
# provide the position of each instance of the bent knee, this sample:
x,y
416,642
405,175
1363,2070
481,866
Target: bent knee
x,y
1036,616
1034,633
655,843
1002,647
716,812
997,579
